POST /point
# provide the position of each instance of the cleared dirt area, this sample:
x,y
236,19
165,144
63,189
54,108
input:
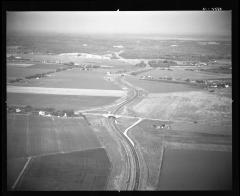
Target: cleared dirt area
x,y
58,101
188,106
64,91
74,78
85,170
196,170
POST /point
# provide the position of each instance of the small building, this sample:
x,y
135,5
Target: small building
x,y
41,113
18,110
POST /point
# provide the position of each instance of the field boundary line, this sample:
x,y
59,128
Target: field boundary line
x,y
161,161
21,173
65,152
60,149
27,137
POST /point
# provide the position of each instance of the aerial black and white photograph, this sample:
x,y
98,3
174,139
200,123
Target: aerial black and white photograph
x,y
119,100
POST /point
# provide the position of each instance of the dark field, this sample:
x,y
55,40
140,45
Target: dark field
x,y
86,170
47,66
151,141
14,167
159,87
74,78
196,170
40,136
58,101
36,135
22,72
16,136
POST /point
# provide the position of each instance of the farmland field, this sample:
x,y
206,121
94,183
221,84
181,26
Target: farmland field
x,y
84,170
150,147
37,136
184,74
196,170
128,111
116,153
58,101
187,106
151,142
159,87
64,91
21,72
16,136
14,167
47,66
74,78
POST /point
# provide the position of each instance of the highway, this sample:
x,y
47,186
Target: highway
x,y
133,160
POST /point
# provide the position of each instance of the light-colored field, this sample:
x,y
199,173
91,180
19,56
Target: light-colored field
x,y
188,106
64,91
19,64
179,73
74,78
159,87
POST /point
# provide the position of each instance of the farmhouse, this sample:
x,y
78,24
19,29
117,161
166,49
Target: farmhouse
x,y
41,113
18,110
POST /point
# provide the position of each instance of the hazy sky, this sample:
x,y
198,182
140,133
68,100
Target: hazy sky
x,y
160,22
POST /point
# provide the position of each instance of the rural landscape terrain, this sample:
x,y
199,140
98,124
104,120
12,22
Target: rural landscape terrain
x,y
118,112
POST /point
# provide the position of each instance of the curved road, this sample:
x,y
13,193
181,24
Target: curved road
x,y
133,160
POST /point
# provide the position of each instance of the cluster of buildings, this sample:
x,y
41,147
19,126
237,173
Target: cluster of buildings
x,y
47,112
212,83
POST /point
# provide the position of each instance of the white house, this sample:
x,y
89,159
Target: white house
x,y
18,110
41,113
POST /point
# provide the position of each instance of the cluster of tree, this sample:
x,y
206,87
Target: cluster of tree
x,y
165,63
69,64
141,64
16,80
139,72
114,56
